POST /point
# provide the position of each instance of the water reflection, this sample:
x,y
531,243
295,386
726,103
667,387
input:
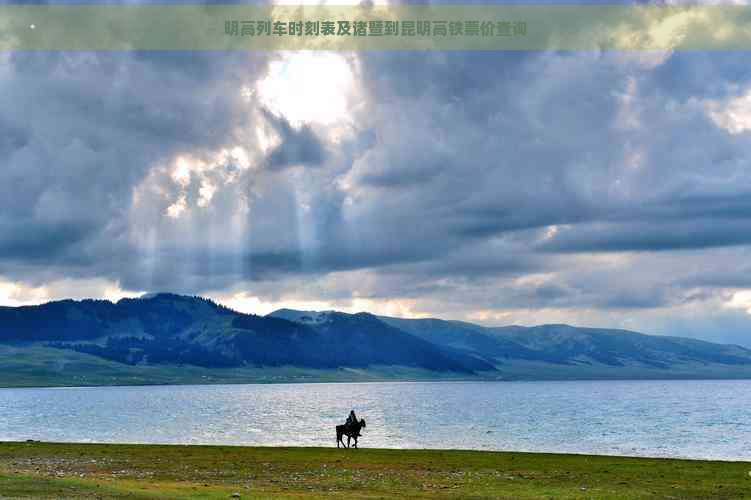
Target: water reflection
x,y
699,419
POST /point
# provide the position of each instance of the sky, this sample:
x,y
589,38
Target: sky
x,y
595,188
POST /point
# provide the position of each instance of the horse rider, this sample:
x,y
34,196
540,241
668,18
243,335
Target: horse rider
x,y
352,420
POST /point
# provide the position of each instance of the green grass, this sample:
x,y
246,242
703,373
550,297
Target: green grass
x,y
45,470
40,366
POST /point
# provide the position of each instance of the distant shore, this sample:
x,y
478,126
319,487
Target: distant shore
x,y
34,469
334,380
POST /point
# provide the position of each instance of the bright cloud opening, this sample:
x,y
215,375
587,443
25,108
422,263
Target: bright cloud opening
x,y
309,87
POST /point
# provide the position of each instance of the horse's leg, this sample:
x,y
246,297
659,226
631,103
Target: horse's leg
x,y
348,438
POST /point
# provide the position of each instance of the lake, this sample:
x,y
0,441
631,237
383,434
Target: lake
x,y
692,419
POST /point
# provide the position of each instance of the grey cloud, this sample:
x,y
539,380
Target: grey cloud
x,y
649,236
469,181
298,146
87,127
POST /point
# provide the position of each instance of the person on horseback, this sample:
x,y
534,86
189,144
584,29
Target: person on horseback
x,y
352,420
351,429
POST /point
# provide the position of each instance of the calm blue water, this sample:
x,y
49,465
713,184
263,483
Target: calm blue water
x,y
696,419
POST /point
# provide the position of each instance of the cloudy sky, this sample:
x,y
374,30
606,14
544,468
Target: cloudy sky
x,y
593,188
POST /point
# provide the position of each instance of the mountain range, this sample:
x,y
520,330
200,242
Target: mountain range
x,y
168,338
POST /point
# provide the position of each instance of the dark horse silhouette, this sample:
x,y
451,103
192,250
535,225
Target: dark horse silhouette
x,y
351,431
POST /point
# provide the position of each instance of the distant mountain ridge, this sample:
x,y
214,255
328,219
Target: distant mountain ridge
x,y
167,333
556,343
167,328
564,344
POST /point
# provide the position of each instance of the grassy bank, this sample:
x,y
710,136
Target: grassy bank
x,y
146,471
40,366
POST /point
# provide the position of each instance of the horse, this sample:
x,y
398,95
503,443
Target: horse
x,y
350,431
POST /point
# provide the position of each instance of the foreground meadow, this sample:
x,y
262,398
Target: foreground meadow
x,y
49,470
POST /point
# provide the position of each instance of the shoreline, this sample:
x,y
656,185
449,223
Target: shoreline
x,y
37,469
378,381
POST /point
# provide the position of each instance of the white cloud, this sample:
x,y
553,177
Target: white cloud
x,y
733,114
18,293
740,300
